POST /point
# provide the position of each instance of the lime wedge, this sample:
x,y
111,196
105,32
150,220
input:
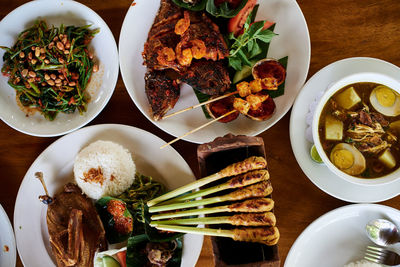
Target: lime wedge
x,y
314,155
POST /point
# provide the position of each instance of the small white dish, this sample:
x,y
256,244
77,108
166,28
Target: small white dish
x,y
8,252
293,41
319,174
338,237
101,86
354,78
56,163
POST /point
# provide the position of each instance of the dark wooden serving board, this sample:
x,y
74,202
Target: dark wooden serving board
x,y
213,157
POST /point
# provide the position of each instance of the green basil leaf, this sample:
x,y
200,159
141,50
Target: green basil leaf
x,y
197,7
243,58
252,15
256,50
223,10
256,28
250,46
265,36
235,63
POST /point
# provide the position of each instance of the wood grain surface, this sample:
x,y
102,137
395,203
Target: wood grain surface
x,y
338,29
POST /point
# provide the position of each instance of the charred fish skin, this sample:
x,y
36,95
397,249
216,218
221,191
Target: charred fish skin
x,y
162,93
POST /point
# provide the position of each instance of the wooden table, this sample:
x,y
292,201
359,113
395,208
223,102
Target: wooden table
x,y
338,29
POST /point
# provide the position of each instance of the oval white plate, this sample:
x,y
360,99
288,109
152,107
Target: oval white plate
x,y
293,41
8,252
101,86
338,237
319,174
56,163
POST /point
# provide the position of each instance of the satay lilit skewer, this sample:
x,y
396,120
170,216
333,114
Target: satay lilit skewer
x,y
249,164
241,180
265,235
241,219
261,189
250,205
243,89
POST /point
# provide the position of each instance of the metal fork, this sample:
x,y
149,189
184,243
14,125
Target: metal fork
x,y
382,256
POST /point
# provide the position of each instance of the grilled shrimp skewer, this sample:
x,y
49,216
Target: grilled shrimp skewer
x,y
252,163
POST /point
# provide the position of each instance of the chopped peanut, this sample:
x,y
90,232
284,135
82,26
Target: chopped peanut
x,y
243,89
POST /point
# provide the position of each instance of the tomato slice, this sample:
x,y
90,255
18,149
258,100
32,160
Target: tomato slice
x,y
221,107
236,23
122,258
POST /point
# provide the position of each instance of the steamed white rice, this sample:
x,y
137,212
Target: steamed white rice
x,y
104,168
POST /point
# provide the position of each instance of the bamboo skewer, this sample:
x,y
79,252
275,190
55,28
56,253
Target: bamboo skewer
x,y
198,128
251,163
236,182
261,189
250,205
243,219
200,104
265,235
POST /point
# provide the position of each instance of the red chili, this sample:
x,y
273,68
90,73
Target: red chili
x,y
71,101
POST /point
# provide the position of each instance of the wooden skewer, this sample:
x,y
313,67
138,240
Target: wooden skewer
x,y
201,104
199,128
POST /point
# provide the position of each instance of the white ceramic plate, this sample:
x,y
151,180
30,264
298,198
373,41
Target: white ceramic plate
x,y
56,163
101,87
8,252
293,41
319,174
338,237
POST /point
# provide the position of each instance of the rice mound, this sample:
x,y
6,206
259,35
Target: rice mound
x,y
362,263
104,168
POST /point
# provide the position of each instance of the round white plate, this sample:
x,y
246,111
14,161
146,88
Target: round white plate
x,y
293,41
338,237
319,174
8,252
56,163
101,86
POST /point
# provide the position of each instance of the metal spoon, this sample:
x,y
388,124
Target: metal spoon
x,y
382,232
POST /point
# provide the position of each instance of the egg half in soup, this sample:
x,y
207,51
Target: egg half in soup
x,y
385,101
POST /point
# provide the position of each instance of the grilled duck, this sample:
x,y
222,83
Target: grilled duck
x,y
191,45
74,227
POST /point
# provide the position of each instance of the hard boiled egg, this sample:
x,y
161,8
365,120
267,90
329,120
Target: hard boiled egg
x,y
348,159
385,101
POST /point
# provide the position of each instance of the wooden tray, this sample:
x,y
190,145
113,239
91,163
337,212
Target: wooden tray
x,y
214,156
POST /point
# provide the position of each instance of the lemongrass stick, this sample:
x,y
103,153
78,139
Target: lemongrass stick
x,y
243,219
252,163
200,104
250,205
198,128
265,235
261,189
241,180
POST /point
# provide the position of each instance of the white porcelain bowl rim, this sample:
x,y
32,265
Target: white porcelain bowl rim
x,y
354,78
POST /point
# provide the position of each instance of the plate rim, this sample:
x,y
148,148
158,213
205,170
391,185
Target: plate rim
x,y
91,128
327,215
12,247
108,95
292,126
302,80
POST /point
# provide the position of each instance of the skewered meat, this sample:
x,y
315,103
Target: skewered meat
x,y
265,235
162,93
75,229
210,78
252,205
251,163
